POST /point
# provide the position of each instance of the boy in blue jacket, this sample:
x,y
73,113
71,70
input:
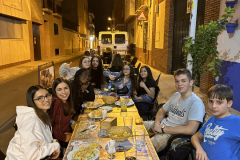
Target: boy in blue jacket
x,y
221,134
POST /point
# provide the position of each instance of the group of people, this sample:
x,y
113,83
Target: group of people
x,y
45,124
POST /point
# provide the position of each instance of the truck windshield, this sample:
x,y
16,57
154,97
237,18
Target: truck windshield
x,y
120,38
106,39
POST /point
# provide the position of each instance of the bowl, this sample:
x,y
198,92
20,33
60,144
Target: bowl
x,y
109,99
119,133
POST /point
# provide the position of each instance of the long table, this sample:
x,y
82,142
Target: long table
x,y
78,138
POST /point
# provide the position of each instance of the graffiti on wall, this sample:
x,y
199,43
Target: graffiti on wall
x,y
17,4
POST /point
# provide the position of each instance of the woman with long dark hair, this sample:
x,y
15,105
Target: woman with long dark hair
x,y
62,111
82,90
126,81
33,138
145,88
96,71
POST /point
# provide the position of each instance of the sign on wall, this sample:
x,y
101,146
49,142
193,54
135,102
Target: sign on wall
x,y
17,4
46,75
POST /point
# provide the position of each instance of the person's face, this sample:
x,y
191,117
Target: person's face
x,y
63,91
46,101
86,63
84,77
182,83
126,70
218,107
143,73
95,62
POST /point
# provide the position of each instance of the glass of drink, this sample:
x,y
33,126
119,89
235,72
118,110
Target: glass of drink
x,y
139,137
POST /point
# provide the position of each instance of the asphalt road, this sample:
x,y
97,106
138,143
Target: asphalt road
x,y
13,93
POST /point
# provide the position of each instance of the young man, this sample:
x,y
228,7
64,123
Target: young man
x,y
221,134
185,112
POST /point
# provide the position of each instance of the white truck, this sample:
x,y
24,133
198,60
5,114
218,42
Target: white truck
x,y
116,40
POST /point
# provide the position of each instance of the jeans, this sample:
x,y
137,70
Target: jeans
x,y
143,107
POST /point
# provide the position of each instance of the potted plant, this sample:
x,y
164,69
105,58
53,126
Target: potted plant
x,y
230,3
227,19
204,47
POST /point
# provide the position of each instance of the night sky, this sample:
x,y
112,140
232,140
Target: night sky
x,y
102,9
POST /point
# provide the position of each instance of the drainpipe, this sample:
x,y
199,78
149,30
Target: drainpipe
x,y
192,27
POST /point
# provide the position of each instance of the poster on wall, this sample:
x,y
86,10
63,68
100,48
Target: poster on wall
x,y
46,74
17,4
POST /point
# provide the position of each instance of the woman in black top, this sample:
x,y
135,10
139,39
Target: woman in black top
x,y
96,71
145,88
82,90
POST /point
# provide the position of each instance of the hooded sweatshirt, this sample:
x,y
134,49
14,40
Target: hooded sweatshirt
x,y
33,139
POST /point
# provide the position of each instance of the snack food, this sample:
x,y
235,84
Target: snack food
x,y
95,114
119,134
92,105
85,153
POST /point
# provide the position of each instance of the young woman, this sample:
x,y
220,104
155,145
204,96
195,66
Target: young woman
x,y
145,88
126,81
96,71
82,90
68,72
62,111
33,139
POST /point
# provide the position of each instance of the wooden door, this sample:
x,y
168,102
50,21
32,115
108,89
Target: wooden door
x,y
36,42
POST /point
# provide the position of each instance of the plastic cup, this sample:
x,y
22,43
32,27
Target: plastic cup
x,y
128,121
139,137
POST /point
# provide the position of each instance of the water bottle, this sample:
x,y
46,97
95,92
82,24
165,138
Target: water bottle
x,y
109,86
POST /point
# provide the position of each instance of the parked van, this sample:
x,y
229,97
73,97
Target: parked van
x,y
116,40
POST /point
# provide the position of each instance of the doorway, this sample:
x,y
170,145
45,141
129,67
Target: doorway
x,y
36,42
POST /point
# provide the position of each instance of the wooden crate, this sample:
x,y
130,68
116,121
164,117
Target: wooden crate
x,y
108,122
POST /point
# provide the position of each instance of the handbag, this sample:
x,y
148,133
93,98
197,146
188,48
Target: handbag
x,y
122,91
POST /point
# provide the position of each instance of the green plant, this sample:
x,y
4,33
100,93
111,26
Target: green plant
x,y
204,47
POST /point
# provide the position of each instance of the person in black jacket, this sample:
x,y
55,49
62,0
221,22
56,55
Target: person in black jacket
x,y
82,90
96,71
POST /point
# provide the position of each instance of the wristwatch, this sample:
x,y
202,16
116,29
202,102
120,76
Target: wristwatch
x,y
163,128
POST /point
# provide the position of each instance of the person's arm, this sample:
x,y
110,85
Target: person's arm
x,y
200,153
150,91
33,141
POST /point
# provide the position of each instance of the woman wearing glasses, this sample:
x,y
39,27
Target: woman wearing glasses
x,y
126,82
82,90
33,139
68,72
96,71
62,111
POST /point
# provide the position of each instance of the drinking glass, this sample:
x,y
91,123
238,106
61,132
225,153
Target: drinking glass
x,y
93,138
130,155
139,137
91,119
128,121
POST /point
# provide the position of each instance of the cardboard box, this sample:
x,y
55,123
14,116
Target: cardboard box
x,y
108,122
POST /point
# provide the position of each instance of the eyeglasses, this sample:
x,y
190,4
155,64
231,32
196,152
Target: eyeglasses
x,y
42,98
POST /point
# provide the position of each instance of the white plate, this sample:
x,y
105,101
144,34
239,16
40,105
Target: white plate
x,y
97,103
108,108
69,156
129,103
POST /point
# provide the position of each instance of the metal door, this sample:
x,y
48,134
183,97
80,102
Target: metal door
x,y
181,30
36,42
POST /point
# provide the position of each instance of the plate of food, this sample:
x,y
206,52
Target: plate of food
x,y
128,104
108,108
95,114
91,105
88,153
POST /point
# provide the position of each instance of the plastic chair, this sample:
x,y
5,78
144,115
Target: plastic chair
x,y
148,115
157,81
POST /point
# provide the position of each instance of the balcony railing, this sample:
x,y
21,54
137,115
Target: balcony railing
x,y
47,6
57,11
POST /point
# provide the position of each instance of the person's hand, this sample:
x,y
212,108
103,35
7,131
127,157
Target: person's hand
x,y
68,136
55,154
142,84
67,66
157,128
112,77
139,98
201,154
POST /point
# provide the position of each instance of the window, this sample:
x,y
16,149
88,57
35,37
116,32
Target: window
x,y
56,51
120,38
10,28
106,39
55,29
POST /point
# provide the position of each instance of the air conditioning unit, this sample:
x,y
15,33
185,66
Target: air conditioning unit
x,y
157,8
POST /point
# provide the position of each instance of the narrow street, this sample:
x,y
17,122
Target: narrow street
x,y
14,94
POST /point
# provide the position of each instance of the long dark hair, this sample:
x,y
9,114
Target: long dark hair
x,y
43,116
99,68
80,61
149,77
132,78
117,61
66,111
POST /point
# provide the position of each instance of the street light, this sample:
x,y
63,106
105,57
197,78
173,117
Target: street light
x,y
109,18
109,28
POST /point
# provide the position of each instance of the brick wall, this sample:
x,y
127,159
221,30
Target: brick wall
x,y
161,59
212,9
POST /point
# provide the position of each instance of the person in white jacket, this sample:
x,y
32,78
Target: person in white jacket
x,y
33,139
